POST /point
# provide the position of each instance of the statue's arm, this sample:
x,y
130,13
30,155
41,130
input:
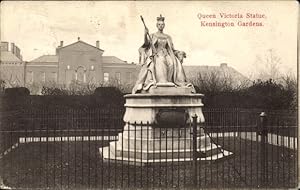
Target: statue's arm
x,y
145,51
146,40
146,37
176,52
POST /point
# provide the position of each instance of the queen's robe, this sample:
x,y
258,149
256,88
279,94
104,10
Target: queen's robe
x,y
159,64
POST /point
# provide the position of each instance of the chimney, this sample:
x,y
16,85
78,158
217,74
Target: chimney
x,y
78,38
97,44
60,46
16,50
18,53
12,48
222,65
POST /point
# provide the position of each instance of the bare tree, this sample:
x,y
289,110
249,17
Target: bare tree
x,y
289,83
214,81
268,66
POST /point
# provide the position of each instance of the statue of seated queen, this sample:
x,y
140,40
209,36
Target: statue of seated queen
x,y
161,64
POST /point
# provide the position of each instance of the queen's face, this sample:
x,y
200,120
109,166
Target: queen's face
x,y
160,25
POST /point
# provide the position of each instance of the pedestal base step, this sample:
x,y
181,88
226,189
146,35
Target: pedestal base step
x,y
142,157
143,162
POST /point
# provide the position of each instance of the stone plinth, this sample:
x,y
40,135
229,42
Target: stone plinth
x,y
147,139
144,107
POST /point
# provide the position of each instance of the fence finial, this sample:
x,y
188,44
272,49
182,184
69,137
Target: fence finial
x,y
263,114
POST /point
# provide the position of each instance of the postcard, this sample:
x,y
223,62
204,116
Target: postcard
x,y
149,94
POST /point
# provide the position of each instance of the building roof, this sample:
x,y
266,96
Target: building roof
x,y
82,42
222,71
7,56
46,59
112,59
207,69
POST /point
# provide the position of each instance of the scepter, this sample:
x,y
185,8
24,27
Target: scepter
x,y
150,39
152,48
145,28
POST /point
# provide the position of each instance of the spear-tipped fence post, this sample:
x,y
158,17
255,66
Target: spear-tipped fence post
x,y
195,150
263,133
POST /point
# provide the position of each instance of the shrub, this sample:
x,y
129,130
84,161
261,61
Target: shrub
x,y
2,86
14,92
268,94
109,94
53,91
74,88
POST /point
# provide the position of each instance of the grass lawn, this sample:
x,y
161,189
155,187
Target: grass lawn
x,y
79,165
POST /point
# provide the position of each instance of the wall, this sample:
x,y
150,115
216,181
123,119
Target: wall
x,y
12,73
124,70
79,58
48,69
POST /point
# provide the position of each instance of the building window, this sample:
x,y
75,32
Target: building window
x,y
91,77
118,77
84,77
130,77
81,77
92,67
106,77
54,76
76,75
93,80
30,77
43,76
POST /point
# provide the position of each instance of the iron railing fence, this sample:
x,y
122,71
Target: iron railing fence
x,y
60,117
80,149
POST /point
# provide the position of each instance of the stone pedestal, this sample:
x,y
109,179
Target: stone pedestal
x,y
158,129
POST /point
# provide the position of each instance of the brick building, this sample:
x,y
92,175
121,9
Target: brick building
x,y
12,66
218,73
79,62
85,63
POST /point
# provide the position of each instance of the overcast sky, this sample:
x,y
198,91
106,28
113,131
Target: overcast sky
x,y
38,27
